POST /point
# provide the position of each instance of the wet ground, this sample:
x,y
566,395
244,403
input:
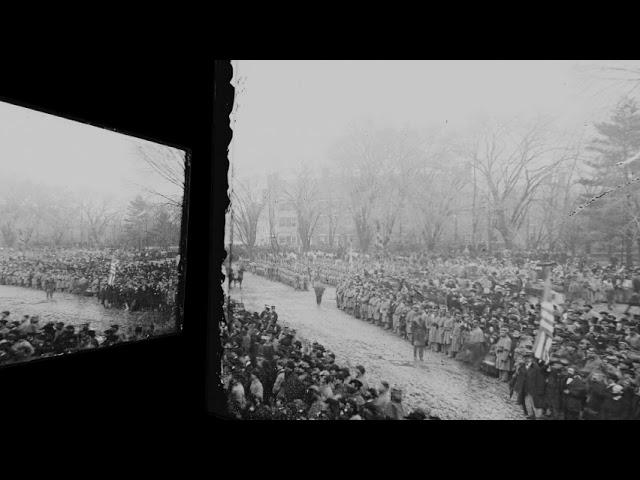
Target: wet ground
x,y
443,386
70,309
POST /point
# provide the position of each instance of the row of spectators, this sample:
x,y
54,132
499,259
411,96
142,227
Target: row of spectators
x,y
299,274
271,373
594,367
480,312
136,285
26,339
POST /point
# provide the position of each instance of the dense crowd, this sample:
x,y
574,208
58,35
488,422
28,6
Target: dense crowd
x,y
483,312
27,339
299,273
486,319
137,284
271,373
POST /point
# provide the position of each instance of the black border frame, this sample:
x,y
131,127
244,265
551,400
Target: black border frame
x,y
162,95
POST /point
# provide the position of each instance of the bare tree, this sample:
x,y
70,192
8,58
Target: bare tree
x,y
303,195
10,211
248,203
167,164
98,215
435,198
514,163
60,216
375,167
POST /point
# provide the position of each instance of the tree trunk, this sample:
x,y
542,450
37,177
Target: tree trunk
x,y
629,249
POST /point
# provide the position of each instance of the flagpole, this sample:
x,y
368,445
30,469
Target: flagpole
x,y
544,338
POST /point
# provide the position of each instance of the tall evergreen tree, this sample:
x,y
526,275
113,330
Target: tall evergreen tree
x,y
614,211
137,225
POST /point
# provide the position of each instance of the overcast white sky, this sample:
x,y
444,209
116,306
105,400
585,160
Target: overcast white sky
x,y
290,111
59,152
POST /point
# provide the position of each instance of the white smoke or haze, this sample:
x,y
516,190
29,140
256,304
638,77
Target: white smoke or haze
x,y
56,152
290,112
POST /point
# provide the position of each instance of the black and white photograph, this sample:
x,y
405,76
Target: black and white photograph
x,y
405,240
91,253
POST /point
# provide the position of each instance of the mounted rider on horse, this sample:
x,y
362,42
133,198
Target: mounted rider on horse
x,y
237,274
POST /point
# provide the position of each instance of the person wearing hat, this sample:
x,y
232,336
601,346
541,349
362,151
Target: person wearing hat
x,y
237,401
447,334
611,363
394,409
319,289
530,384
633,339
433,329
66,341
32,326
59,329
477,345
593,361
292,387
361,377
553,389
255,389
456,336
3,327
23,346
573,354
504,362
418,333
574,391
616,405
383,396
609,291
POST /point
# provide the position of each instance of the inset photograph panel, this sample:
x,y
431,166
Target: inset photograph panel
x,y
91,237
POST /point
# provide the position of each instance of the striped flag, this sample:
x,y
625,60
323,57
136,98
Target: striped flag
x,y
542,345
112,271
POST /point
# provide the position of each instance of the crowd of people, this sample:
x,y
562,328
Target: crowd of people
x,y
138,285
27,339
487,311
299,273
272,373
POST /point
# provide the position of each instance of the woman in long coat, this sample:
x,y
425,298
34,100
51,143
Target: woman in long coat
x,y
433,332
504,362
398,309
441,332
530,381
456,337
418,334
447,330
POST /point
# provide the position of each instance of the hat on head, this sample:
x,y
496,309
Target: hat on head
x,y
617,389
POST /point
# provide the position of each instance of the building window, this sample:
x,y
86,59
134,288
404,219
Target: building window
x,y
288,222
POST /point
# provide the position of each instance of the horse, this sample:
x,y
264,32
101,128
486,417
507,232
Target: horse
x,y
236,277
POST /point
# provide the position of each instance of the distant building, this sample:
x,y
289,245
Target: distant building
x,y
334,221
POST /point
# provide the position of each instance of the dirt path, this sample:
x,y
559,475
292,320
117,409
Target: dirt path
x,y
450,389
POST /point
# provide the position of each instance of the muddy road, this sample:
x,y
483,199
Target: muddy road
x,y
73,310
